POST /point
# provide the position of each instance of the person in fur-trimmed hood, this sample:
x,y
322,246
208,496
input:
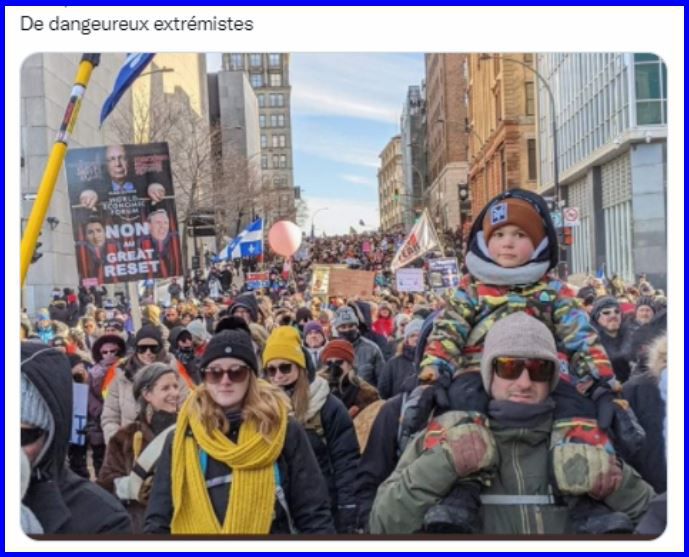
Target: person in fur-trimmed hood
x,y
645,394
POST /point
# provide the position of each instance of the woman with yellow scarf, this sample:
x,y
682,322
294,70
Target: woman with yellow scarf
x,y
236,463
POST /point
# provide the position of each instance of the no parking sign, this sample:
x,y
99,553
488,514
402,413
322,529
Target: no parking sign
x,y
570,216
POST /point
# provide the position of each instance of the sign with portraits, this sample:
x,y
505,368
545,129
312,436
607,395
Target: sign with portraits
x,y
124,218
443,273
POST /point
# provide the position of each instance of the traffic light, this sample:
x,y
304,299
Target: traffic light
x,y
463,192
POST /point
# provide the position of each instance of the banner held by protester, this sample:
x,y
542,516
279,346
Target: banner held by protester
x,y
421,239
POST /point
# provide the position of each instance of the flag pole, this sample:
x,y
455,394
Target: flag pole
x,y
54,163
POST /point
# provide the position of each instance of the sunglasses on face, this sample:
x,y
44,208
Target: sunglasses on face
x,y
236,374
272,371
31,434
540,371
609,312
150,348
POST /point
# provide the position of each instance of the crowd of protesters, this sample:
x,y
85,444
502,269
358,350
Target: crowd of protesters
x,y
230,411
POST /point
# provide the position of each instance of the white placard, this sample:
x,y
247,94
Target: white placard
x,y
80,394
410,280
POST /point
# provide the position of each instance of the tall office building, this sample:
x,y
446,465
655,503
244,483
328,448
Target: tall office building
x,y
611,125
446,114
413,138
268,74
46,84
392,202
501,125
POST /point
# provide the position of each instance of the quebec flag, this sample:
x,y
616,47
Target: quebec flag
x,y
132,67
248,243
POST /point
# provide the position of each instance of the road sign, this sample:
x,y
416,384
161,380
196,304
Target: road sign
x,y
570,216
556,217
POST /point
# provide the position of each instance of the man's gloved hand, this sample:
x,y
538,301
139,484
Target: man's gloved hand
x,y
608,481
628,434
471,447
605,409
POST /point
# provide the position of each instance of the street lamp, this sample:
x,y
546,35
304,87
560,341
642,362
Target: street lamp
x,y
313,217
546,85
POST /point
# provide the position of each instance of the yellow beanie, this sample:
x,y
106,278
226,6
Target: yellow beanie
x,y
284,343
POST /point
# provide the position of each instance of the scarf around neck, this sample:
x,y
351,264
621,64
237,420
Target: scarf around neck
x,y
252,458
519,415
482,266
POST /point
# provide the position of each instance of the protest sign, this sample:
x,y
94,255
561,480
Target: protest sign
x,y
410,280
80,397
443,273
124,218
350,283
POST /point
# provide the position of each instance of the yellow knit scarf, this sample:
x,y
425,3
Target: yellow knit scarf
x,y
252,492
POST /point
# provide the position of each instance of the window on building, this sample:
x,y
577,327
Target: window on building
x,y
264,162
531,149
236,61
261,100
276,160
276,141
283,141
255,60
530,98
256,80
261,120
276,80
281,120
283,161
273,120
650,76
264,140
272,99
274,60
280,99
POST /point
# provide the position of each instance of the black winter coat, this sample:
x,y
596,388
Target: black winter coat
x,y
337,452
644,397
396,372
380,457
301,480
619,350
63,502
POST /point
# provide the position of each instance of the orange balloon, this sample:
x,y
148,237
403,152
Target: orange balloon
x,y
284,238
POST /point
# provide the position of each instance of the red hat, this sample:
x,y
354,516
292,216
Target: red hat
x,y
340,349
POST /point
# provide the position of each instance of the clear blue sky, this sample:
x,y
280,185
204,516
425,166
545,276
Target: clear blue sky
x,y
345,108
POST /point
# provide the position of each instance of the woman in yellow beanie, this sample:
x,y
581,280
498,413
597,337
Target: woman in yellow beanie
x,y
236,463
324,416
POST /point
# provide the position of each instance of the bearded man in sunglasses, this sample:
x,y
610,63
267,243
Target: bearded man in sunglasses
x,y
615,335
507,452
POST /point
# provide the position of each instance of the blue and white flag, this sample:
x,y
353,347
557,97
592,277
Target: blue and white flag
x,y
132,67
248,243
